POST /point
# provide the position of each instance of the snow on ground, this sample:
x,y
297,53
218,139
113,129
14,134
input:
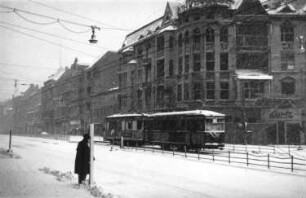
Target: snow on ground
x,y
130,174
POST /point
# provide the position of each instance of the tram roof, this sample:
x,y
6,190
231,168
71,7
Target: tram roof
x,y
127,115
194,112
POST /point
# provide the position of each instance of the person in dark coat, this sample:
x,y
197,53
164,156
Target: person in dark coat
x,y
82,159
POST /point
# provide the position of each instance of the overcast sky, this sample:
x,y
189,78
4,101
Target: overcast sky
x,y
33,47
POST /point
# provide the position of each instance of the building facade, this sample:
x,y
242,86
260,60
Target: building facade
x,y
244,58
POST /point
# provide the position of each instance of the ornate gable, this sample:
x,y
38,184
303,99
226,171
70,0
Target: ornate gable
x,y
250,7
168,14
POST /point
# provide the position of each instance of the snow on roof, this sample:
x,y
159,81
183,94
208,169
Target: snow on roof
x,y
57,75
194,112
127,115
252,75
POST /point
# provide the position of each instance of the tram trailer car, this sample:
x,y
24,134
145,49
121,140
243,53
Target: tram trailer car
x,y
186,129
125,127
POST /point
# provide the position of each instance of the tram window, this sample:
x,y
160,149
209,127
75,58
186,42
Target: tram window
x,y
209,120
122,125
220,120
139,125
129,124
134,125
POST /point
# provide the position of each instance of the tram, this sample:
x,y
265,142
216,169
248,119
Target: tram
x,y
183,130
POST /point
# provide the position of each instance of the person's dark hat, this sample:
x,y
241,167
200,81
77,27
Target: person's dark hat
x,y
86,136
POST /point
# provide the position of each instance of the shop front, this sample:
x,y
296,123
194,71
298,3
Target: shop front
x,y
286,125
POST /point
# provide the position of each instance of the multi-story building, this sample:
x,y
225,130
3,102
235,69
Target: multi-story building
x,y
77,96
244,58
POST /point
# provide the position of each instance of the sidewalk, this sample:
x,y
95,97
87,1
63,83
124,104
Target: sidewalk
x,y
19,179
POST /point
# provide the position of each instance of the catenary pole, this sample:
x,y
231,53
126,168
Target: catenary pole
x,y
91,173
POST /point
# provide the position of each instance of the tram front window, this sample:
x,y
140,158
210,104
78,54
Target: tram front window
x,y
214,124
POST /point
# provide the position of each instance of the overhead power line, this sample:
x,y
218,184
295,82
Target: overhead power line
x,y
53,35
47,41
83,17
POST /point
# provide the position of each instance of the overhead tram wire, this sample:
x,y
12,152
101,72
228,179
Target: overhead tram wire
x,y
56,20
83,17
29,66
50,42
53,35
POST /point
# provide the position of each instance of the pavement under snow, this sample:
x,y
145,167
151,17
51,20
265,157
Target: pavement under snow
x,y
128,174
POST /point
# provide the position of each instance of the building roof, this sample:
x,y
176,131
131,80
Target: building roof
x,y
188,113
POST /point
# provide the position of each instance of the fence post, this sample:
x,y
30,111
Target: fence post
x,y
173,150
213,155
268,161
291,163
10,143
247,155
185,151
229,157
289,149
198,154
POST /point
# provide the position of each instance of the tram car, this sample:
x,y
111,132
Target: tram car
x,y
125,127
195,129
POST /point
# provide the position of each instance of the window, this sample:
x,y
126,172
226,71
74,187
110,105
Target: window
x,y
160,43
180,41
179,92
210,37
255,60
186,91
171,68
288,86
223,61
180,65
148,73
171,42
253,89
186,64
139,76
160,68
224,35
287,32
210,61
148,97
197,91
252,35
196,39
187,42
210,90
287,60
224,92
196,62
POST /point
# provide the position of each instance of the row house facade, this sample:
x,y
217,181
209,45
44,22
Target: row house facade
x,y
244,58
74,97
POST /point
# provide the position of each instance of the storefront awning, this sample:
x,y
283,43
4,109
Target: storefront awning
x,y
252,75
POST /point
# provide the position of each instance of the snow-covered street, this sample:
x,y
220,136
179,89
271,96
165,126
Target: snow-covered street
x,y
134,174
